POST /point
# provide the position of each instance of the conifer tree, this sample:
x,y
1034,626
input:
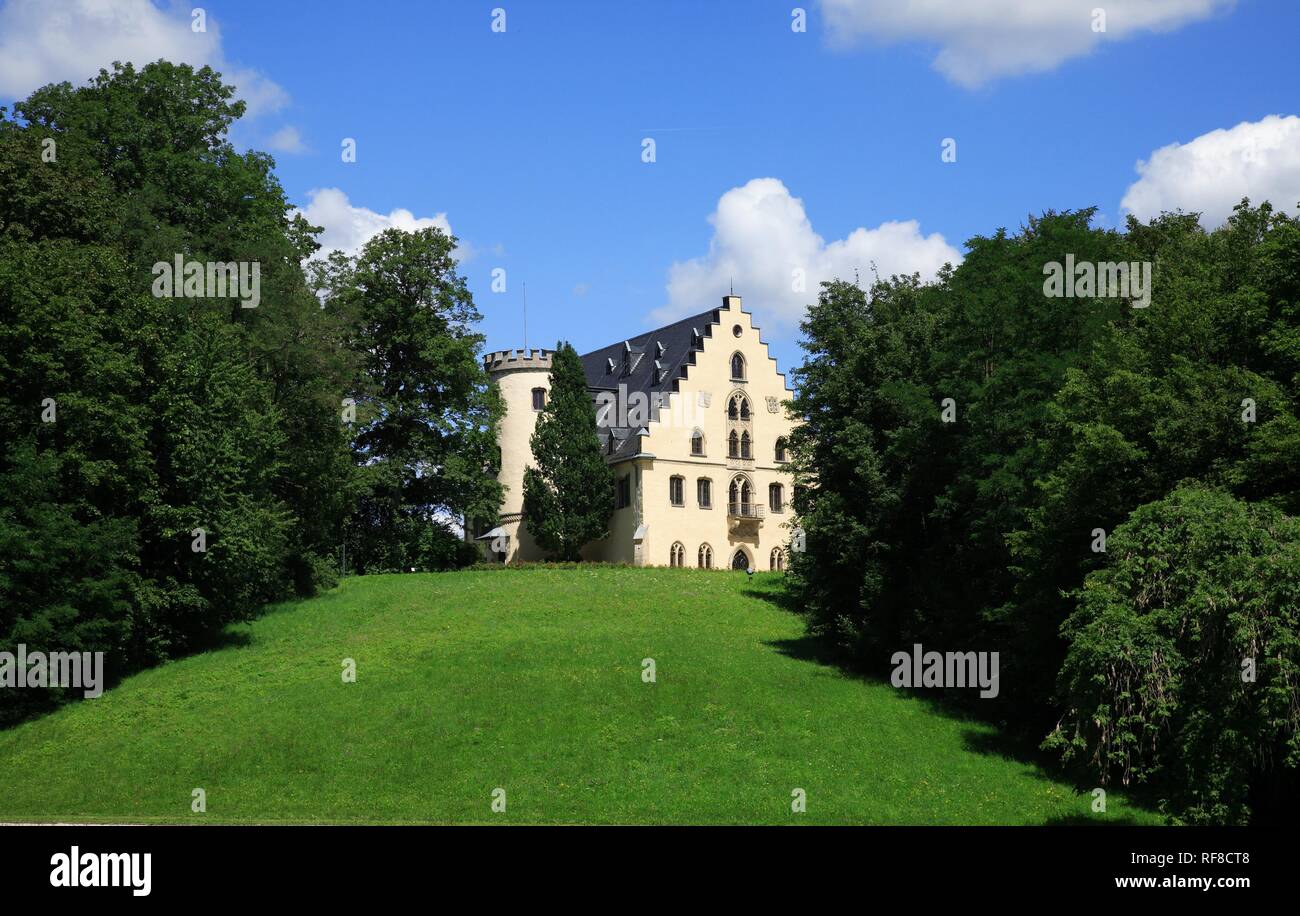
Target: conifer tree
x,y
569,493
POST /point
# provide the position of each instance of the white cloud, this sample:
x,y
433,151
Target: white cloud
x,y
286,140
1212,173
49,41
982,41
348,228
762,236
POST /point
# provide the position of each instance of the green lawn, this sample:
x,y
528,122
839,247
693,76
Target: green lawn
x,y
529,680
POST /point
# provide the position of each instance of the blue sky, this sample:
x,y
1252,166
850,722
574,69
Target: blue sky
x,y
528,143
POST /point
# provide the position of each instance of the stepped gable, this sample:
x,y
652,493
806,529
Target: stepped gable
x,y
653,363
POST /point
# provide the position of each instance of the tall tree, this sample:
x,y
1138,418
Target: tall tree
x,y
427,413
127,420
569,494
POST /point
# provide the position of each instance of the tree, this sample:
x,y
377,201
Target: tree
x,y
1071,413
569,494
1185,657
165,415
427,413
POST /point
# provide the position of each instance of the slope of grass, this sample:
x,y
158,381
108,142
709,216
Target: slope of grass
x,y
530,681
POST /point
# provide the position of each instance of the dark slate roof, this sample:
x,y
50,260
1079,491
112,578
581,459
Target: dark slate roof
x,y
653,363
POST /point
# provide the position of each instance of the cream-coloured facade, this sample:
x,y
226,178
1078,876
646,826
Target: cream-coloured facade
x,y
692,419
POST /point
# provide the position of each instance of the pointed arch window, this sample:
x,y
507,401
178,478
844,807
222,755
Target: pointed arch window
x,y
737,367
777,559
740,497
677,554
733,445
705,557
744,445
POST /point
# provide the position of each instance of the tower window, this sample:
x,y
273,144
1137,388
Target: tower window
x,y
539,398
624,491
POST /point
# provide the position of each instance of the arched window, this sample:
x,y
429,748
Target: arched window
x,y
733,408
740,497
737,366
776,497
733,445
780,449
744,408
704,492
706,556
778,559
677,554
677,490
697,443
539,398
740,559
744,445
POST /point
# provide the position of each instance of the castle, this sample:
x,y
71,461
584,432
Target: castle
x,y
690,417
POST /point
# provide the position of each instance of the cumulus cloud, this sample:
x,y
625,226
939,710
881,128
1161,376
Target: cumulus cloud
x,y
1212,173
763,240
980,42
49,41
348,227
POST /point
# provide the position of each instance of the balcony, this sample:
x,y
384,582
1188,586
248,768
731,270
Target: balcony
x,y
746,510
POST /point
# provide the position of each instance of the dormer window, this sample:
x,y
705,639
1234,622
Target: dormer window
x,y
737,367
609,365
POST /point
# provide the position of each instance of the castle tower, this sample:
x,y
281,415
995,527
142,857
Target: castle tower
x,y
524,377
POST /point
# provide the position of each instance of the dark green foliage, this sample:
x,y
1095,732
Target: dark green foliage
x,y
569,494
169,414
1070,415
1154,685
426,413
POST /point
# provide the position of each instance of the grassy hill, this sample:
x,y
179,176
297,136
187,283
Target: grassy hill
x,y
529,680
